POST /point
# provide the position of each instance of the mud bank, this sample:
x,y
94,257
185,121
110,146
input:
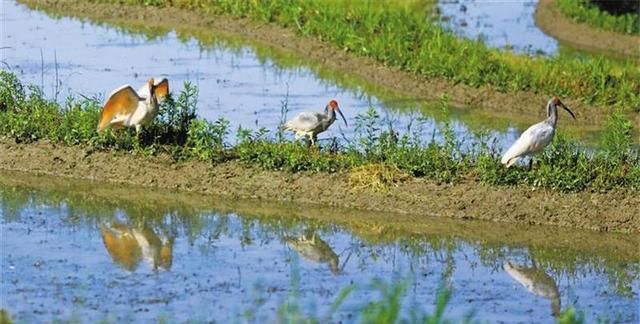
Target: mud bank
x,y
549,18
521,107
468,200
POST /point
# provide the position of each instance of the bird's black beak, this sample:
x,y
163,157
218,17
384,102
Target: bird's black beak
x,y
568,110
341,115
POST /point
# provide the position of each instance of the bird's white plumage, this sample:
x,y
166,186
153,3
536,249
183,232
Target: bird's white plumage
x,y
126,108
126,90
536,137
532,141
130,106
308,124
304,122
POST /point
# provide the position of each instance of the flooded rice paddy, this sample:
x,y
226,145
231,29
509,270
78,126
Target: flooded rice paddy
x,y
90,252
511,26
78,250
243,83
500,24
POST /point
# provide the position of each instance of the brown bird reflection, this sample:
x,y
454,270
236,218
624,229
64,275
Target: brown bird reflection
x,y
128,246
537,282
313,248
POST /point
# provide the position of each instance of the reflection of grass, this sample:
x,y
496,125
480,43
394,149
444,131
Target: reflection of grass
x,y
27,116
5,318
583,11
564,253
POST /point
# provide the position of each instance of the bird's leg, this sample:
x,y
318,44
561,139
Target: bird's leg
x,y
530,164
137,141
314,142
309,143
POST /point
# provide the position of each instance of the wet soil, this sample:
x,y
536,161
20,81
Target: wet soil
x,y
483,101
549,18
615,211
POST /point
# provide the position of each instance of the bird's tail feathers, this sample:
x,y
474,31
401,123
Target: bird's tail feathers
x,y
286,126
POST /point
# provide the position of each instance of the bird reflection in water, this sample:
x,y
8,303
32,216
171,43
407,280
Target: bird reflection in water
x,y
128,246
537,282
311,247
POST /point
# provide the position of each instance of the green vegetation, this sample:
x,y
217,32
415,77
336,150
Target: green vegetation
x,y
404,37
565,166
584,11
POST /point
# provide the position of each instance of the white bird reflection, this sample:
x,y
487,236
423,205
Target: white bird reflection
x,y
311,247
537,282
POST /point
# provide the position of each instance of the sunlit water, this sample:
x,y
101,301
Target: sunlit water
x,y
69,57
85,257
499,23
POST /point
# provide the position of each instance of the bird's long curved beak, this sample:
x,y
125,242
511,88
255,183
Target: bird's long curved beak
x,y
568,110
341,115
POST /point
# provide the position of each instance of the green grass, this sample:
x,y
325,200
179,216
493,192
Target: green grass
x,y
401,35
583,11
27,116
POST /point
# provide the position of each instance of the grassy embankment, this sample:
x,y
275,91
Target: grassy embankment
x,y
403,36
583,11
377,156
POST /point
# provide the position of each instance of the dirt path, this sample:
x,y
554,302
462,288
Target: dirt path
x,y
614,211
521,108
549,18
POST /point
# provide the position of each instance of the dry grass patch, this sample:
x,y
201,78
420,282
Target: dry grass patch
x,y
376,177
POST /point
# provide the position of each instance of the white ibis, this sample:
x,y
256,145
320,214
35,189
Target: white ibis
x,y
310,124
127,108
537,282
536,137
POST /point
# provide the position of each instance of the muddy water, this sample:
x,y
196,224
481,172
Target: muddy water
x,y
81,251
242,83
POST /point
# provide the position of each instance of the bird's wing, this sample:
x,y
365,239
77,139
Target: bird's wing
x,y
123,101
304,121
530,141
162,90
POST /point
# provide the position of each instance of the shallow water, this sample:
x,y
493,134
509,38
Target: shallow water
x,y
245,84
500,24
77,251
